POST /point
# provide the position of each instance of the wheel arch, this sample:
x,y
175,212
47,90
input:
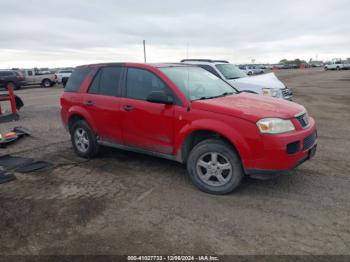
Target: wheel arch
x,y
76,114
194,136
46,79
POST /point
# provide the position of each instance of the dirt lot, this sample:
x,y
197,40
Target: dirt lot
x,y
127,203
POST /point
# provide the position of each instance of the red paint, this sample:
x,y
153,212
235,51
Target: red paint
x,y
164,128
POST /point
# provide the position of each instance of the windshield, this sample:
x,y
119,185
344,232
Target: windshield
x,y
230,71
197,83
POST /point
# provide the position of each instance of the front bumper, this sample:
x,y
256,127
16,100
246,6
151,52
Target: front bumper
x,y
285,151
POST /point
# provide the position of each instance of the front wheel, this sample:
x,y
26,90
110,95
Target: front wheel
x,y
214,167
83,139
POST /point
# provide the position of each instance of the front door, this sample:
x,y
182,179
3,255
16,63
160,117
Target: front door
x,y
146,125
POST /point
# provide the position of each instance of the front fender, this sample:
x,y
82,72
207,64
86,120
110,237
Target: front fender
x,y
220,127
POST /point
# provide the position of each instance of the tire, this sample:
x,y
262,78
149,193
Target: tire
x,y
250,73
215,177
338,68
46,83
326,68
83,139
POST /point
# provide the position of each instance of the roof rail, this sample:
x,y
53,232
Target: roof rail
x,y
221,61
204,60
199,60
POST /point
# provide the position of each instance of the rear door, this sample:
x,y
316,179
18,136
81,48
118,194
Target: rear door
x,y
30,77
103,103
146,125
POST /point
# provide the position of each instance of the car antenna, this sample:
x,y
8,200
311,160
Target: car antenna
x,y
188,78
144,51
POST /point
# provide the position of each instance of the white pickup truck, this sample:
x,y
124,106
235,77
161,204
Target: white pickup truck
x,y
37,77
338,65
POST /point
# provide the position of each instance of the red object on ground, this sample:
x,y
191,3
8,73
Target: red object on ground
x,y
9,97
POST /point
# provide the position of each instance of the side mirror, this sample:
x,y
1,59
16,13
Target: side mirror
x,y
160,97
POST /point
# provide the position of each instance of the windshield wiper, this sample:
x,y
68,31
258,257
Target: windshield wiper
x,y
226,94
210,97
233,78
205,97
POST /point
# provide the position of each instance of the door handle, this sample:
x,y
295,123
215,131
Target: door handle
x,y
89,103
128,108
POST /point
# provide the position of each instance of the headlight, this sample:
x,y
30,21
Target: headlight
x,y
275,125
274,92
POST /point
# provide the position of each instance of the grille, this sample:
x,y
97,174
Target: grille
x,y
309,141
303,120
286,92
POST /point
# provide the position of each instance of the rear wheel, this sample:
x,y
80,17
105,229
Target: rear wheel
x,y
46,83
214,167
83,139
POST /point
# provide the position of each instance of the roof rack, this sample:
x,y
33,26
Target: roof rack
x,y
204,60
221,61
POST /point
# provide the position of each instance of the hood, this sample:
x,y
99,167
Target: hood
x,y
256,83
250,106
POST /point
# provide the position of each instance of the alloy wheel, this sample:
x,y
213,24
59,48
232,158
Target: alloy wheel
x,y
214,169
81,140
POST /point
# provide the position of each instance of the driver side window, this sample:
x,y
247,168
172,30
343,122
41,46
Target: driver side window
x,y
140,83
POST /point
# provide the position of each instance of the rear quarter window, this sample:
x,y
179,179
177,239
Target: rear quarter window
x,y
76,79
6,73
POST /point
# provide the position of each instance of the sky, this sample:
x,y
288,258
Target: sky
x,y
50,33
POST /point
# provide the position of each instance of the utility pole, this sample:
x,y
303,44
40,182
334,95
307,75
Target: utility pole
x,y
144,51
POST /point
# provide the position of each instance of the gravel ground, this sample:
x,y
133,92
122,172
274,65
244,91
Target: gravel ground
x,y
127,203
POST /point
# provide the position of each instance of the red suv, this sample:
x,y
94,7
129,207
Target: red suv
x,y
186,114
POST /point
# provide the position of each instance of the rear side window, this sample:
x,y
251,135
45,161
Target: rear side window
x,y
76,79
6,73
107,81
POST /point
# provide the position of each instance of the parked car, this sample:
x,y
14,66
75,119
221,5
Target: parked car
x,y
186,114
37,77
10,78
337,65
290,66
252,69
62,74
267,84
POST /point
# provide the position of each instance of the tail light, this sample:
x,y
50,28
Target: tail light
x,y
20,77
